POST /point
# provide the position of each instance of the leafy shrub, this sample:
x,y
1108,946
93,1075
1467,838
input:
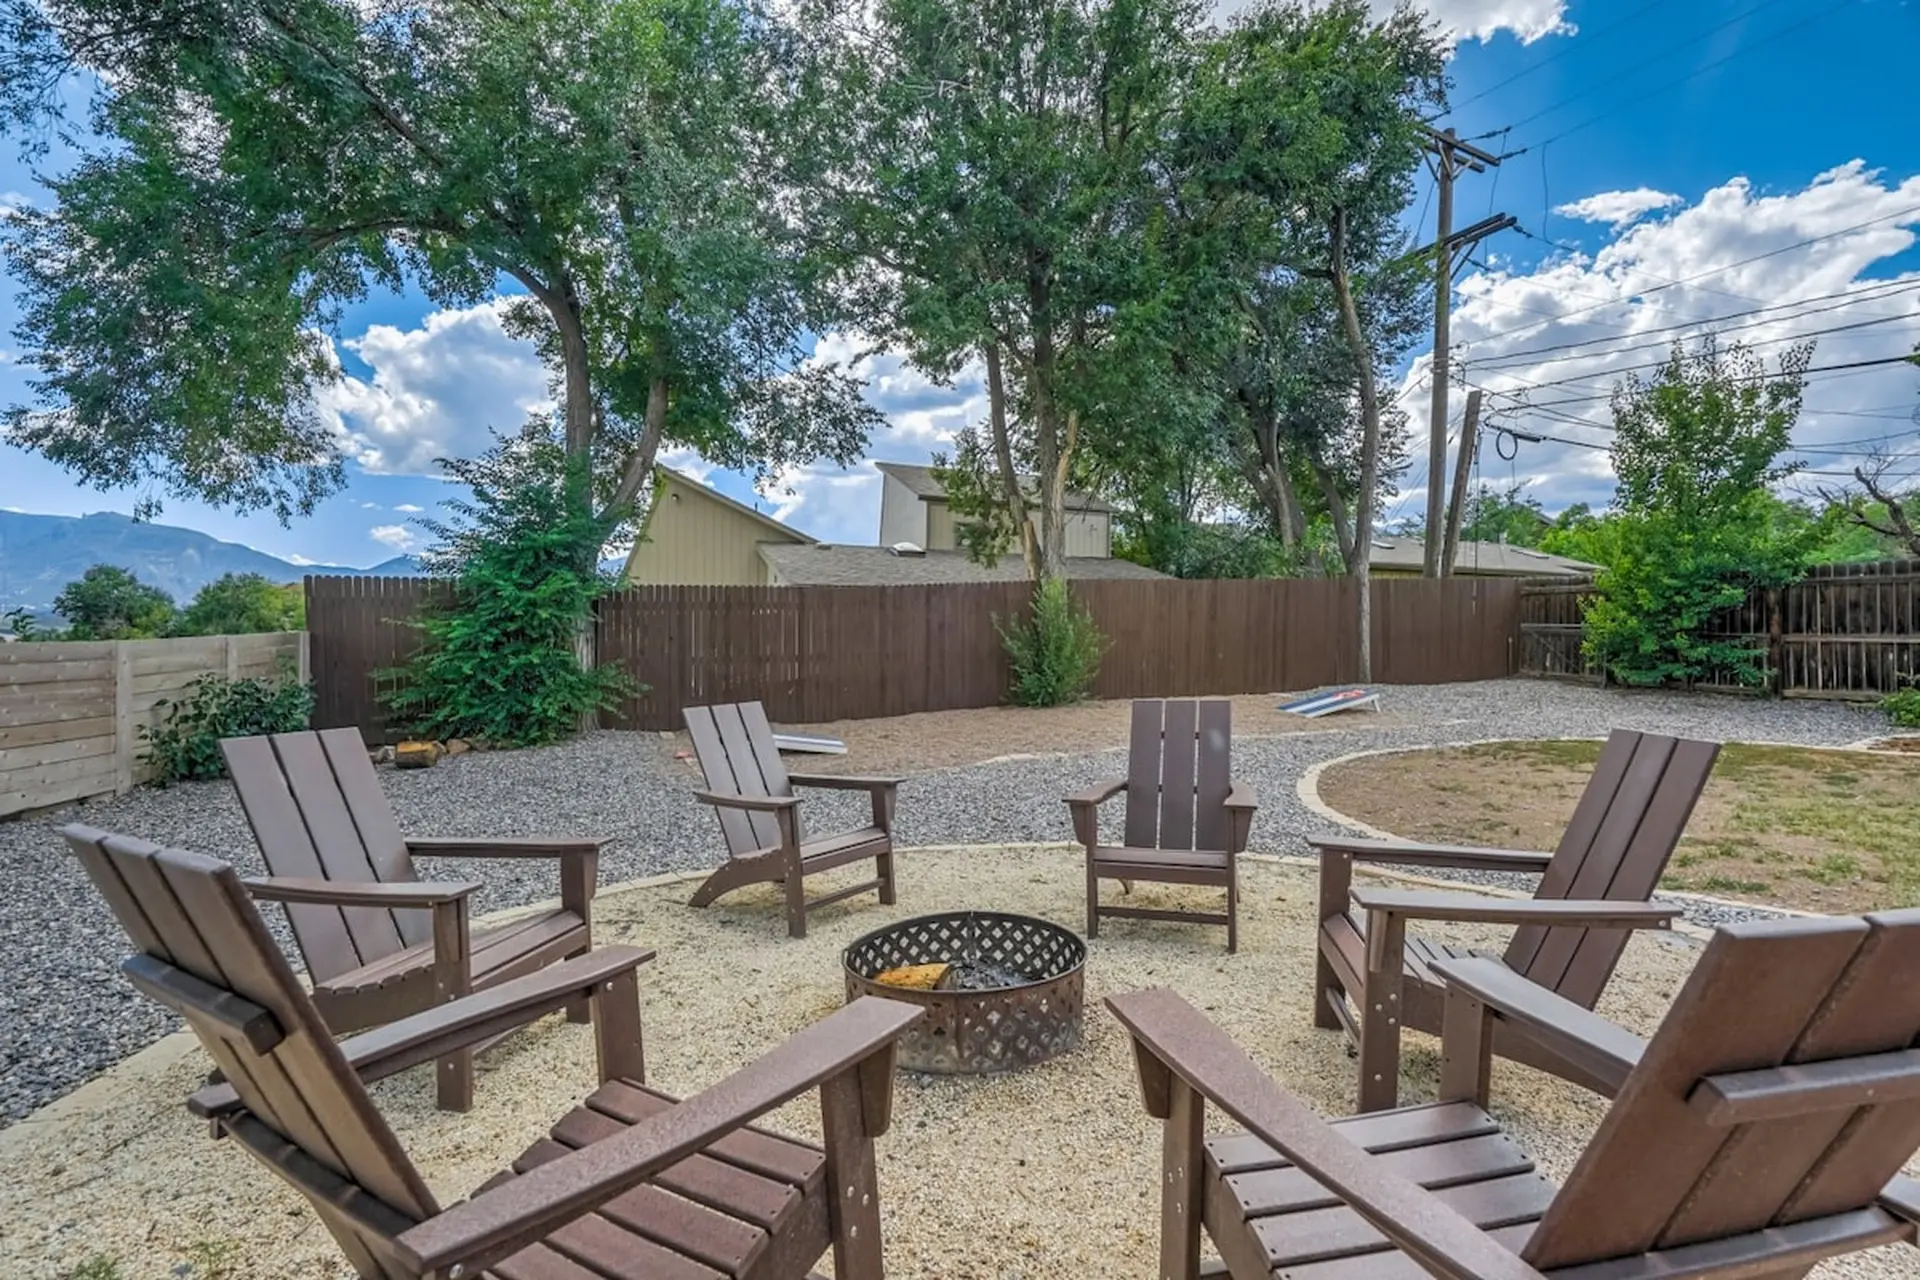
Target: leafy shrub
x,y
238,604
185,745
1903,708
1056,653
500,659
109,603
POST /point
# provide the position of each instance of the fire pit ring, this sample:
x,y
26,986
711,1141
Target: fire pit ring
x,y
1031,1011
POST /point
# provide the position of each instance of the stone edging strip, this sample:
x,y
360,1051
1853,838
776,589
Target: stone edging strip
x,y
1308,791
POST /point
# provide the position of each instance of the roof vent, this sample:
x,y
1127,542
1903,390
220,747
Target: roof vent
x,y
1382,546
823,546
1528,551
907,549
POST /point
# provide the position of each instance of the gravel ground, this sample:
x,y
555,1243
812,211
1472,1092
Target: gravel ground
x,y
66,1015
1047,1173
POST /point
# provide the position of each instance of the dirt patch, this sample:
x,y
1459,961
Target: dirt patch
x,y
931,740
1906,745
1835,831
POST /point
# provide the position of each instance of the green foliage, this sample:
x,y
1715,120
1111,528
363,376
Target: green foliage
x,y
101,1266
242,604
185,745
1695,450
1055,653
985,525
25,625
499,659
258,170
1903,707
109,603
1509,516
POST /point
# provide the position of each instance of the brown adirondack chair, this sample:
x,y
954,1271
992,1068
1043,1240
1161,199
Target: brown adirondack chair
x,y
1593,889
630,1185
752,794
1760,1130
378,942
1187,819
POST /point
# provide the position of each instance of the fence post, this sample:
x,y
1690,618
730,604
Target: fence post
x,y
123,736
304,646
233,657
1776,675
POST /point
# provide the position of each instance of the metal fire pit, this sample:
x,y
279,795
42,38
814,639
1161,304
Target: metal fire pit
x,y
1021,997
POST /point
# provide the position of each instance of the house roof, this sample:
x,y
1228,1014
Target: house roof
x,y
823,565
925,484
671,480
1487,559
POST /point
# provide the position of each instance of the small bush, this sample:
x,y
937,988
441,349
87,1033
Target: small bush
x,y
1057,652
1903,708
100,1266
185,745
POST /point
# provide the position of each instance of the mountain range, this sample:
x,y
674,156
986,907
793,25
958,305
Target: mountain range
x,y
41,554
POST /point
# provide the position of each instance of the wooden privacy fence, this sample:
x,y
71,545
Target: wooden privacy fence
x,y
814,654
1845,631
71,711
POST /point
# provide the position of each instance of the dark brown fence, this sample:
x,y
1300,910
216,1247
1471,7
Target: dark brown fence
x,y
1846,631
814,654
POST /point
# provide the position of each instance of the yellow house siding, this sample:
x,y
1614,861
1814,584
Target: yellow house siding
x,y
940,527
1087,534
695,540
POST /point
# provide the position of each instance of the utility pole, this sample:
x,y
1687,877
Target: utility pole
x,y
1450,158
1462,466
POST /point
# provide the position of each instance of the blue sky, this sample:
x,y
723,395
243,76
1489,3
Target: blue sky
x,y
1746,162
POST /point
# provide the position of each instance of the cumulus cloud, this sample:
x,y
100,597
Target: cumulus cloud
x,y
436,391
1619,208
1550,341
409,509
1527,20
396,536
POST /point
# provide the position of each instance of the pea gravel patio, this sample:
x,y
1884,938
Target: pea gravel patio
x,y
65,1014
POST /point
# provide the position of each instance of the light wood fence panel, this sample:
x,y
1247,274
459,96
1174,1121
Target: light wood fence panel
x,y
71,711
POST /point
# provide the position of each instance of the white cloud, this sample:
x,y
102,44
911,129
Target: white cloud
x,y
1556,337
436,391
1618,208
298,560
1528,20
369,506
397,536
409,509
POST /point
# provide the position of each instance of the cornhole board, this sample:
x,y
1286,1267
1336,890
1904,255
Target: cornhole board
x,y
814,746
1329,701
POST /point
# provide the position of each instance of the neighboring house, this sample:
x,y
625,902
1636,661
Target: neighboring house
x,y
696,536
913,509
823,565
1406,558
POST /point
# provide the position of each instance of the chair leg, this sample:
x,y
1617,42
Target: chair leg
x,y
883,867
1093,899
452,979
1183,1167
796,905
1233,911
1326,988
580,1010
1380,1014
617,1040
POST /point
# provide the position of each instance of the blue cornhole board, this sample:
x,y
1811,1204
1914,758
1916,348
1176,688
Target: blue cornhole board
x,y
1329,701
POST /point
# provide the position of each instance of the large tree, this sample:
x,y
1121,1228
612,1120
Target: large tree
x,y
995,165
616,165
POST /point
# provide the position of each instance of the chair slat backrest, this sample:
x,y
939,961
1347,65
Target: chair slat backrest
x,y
734,744
1616,847
317,811
1660,1173
1179,767
205,953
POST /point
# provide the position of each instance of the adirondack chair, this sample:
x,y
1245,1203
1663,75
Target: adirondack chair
x,y
1187,819
378,942
1760,1130
752,794
631,1184
1592,890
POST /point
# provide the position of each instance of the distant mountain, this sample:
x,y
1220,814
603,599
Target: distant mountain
x,y
41,554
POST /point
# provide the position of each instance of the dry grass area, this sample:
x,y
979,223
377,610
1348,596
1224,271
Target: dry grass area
x,y
1047,1173
930,740
1818,830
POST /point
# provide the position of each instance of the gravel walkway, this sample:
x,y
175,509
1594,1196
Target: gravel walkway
x,y
65,1014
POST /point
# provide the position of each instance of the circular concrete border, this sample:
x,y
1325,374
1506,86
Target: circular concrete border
x,y
1308,790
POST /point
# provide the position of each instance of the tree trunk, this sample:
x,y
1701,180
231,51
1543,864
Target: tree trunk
x,y
1358,566
1003,460
640,462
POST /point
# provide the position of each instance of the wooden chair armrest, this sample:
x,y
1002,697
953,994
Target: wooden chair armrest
x,y
499,1222
1173,1039
1099,794
843,781
434,1032
1901,1198
754,804
1478,908
1465,857
505,847
1577,1033
346,893
1241,797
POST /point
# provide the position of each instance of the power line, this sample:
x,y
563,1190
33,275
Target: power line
x,y
1711,271
1880,289
1848,369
